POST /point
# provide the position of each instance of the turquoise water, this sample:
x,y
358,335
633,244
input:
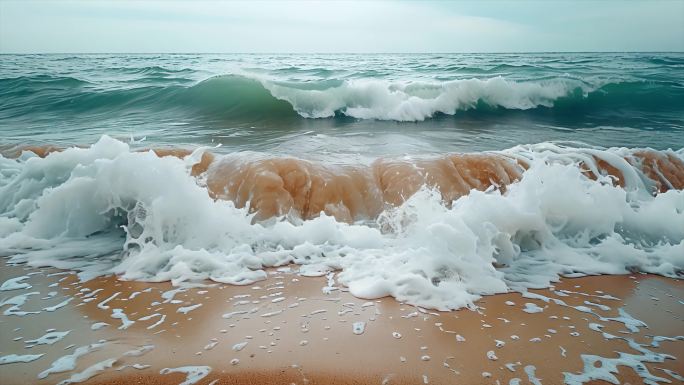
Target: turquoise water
x,y
339,106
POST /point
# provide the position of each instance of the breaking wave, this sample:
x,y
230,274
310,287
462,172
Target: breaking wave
x,y
437,232
252,98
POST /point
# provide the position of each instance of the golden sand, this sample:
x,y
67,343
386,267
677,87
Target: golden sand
x,y
296,333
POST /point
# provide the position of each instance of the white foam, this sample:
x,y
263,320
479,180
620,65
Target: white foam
x,y
125,322
532,308
605,368
92,293
134,366
67,210
17,301
358,327
234,313
188,309
103,305
162,317
47,339
68,362
531,376
139,351
597,305
15,283
98,325
239,346
212,344
59,305
14,358
270,314
89,372
193,373
673,374
169,295
418,100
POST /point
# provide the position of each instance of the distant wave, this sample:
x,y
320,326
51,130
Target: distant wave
x,y
253,98
416,101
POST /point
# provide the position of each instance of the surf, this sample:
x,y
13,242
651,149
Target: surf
x,y
432,231
251,97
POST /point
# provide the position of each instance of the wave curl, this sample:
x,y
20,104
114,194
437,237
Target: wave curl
x,y
251,98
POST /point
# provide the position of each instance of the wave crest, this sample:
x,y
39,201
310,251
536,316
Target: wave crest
x,y
417,101
251,98
106,209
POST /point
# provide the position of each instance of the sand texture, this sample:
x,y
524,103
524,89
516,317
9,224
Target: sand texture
x,y
303,330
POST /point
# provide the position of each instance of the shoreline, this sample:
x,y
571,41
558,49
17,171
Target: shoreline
x,y
288,320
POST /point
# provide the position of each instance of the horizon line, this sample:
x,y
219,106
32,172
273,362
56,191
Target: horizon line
x,y
325,53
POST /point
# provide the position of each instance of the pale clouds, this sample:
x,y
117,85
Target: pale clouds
x,y
308,26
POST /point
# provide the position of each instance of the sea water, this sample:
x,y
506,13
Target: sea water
x,y
431,178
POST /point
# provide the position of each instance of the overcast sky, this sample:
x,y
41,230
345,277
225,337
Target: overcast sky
x,y
308,26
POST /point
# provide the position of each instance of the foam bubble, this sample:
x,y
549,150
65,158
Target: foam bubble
x,y
14,358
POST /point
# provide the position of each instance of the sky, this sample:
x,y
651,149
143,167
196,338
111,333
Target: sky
x,y
339,26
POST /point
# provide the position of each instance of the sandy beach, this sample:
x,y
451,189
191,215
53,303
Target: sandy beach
x,y
295,329
341,192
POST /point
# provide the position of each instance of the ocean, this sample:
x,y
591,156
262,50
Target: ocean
x,y
377,104
433,178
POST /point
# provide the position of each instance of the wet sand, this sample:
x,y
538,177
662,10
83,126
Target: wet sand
x,y
289,329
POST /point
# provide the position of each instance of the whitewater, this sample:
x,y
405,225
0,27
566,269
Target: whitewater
x,y
376,105
106,209
434,179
